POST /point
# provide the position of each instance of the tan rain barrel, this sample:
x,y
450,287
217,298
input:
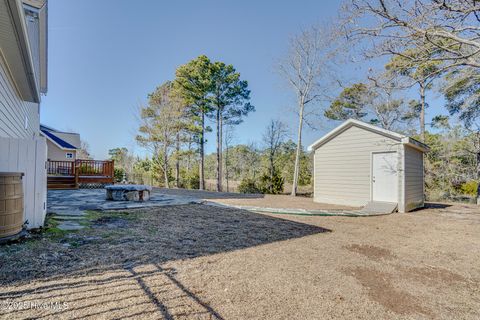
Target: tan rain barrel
x,y
11,203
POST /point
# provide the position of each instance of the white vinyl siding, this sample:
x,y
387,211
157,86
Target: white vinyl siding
x,y
14,112
28,156
414,183
342,172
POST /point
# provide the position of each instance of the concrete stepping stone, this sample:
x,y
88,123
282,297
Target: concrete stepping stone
x,y
68,218
69,226
73,213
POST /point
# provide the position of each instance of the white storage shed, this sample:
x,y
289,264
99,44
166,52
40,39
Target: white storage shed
x,y
357,163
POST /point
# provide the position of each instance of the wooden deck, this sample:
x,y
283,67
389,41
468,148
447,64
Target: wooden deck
x,y
70,174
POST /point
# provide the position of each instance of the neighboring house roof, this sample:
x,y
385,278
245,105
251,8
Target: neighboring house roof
x,y
360,124
58,141
47,128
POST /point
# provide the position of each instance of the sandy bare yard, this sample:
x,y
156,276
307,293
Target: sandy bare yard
x,y
260,200
204,262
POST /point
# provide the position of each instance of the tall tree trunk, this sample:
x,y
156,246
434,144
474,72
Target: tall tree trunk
x,y
226,165
188,154
478,168
201,170
177,160
422,110
165,166
299,146
219,149
478,177
272,170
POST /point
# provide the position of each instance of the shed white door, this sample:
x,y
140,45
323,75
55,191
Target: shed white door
x,y
385,177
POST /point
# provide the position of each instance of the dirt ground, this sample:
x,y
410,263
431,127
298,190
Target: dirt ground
x,y
256,200
204,262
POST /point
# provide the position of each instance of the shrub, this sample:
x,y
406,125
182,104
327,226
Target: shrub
x,y
248,185
86,168
272,185
118,174
470,188
192,180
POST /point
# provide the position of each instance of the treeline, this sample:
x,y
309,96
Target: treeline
x,y
173,128
263,167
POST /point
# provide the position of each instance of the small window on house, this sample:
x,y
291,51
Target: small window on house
x,y
69,155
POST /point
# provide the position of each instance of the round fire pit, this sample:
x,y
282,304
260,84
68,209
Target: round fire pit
x,y
128,192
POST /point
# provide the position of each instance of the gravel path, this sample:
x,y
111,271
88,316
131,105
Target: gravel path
x,y
202,262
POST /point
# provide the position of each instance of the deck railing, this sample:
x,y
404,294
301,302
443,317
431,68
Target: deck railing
x,y
61,168
82,171
94,168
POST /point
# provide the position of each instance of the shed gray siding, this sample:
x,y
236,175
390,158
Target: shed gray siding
x,y
14,111
342,172
414,180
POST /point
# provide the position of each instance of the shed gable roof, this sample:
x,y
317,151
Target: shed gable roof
x,y
366,126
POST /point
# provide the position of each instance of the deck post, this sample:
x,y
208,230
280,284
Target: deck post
x,y
112,171
76,172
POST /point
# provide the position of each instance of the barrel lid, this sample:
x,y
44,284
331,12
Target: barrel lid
x,y
9,174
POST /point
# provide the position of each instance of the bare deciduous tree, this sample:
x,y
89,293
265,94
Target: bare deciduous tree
x,y
390,110
274,136
228,140
306,65
448,31
84,152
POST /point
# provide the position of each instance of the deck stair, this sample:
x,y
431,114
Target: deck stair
x,y
61,182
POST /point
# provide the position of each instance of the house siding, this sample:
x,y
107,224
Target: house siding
x,y
57,154
28,156
22,149
414,179
342,173
72,138
14,112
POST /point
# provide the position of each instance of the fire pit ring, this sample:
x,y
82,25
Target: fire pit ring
x,y
128,192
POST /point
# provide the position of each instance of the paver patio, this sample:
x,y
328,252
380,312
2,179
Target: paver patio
x,y
69,206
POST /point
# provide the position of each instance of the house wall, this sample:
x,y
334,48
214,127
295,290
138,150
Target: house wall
x,y
18,118
55,153
22,149
72,138
414,179
342,166
28,156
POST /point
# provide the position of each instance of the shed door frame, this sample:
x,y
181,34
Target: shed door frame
x,y
371,172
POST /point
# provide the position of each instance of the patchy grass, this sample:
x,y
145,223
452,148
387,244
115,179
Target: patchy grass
x,y
51,230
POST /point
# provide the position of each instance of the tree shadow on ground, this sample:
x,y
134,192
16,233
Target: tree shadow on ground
x,y
114,270
434,205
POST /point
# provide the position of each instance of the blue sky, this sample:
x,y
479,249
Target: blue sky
x,y
106,56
